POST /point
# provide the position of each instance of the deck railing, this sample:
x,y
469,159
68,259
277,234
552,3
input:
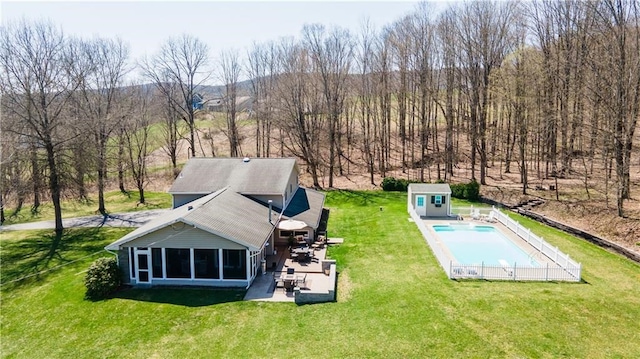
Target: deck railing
x,y
564,269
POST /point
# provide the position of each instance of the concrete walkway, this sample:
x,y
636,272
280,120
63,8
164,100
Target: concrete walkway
x,y
128,219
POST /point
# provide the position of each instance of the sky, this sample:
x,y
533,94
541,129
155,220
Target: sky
x,y
223,25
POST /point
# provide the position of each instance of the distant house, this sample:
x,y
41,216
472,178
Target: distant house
x,y
215,104
243,104
228,215
429,199
197,102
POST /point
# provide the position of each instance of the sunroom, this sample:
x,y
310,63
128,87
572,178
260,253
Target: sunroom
x,y
217,240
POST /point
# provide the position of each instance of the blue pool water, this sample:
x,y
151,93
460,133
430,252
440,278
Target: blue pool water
x,y
473,245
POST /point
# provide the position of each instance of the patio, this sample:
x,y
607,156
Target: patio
x,y
318,284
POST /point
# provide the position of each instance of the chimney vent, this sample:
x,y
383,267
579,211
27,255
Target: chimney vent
x,y
270,206
190,208
246,159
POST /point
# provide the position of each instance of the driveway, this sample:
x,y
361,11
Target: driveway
x,y
128,219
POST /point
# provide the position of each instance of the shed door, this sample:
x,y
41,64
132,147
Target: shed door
x,y
143,265
421,205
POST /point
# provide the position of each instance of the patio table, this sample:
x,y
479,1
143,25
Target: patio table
x,y
288,279
303,250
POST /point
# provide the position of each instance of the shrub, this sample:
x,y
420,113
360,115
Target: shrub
x,y
457,190
388,184
472,190
103,278
395,184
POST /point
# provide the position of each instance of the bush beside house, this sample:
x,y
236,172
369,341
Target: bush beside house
x,y
103,278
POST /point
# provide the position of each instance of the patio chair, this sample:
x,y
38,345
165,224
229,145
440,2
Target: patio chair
x,y
288,285
280,284
301,280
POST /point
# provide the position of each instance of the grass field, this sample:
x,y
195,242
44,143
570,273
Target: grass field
x,y
115,202
394,301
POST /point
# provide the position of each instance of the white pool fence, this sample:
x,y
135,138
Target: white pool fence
x,y
564,269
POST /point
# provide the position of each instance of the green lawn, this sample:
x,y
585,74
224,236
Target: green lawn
x,y
115,202
394,301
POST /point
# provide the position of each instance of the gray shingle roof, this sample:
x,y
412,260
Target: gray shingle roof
x,y
224,213
306,205
430,188
257,176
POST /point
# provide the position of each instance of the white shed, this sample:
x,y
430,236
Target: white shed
x,y
429,199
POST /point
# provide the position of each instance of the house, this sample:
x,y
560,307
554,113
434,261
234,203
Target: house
x,y
218,104
429,199
197,102
228,215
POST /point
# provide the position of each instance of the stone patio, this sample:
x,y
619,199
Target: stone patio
x,y
320,279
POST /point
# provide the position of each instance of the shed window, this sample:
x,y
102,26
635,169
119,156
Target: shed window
x,y
420,202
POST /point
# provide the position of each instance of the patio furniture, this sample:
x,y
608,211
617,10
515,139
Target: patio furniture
x,y
300,280
280,284
288,280
288,285
302,256
291,270
490,218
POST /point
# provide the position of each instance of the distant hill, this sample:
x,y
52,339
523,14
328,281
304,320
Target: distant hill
x,y
244,89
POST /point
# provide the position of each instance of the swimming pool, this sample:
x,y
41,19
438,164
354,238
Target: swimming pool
x,y
482,244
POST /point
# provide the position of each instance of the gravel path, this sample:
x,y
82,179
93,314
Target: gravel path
x,y
128,219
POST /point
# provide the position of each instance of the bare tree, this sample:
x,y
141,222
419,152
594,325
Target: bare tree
x,y
332,55
136,135
486,36
262,68
181,61
448,65
365,56
35,64
300,122
98,98
172,132
230,68
616,64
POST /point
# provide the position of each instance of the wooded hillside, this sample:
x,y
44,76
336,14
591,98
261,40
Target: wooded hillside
x,y
523,97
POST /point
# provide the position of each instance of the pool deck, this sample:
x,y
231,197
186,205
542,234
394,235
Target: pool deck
x,y
542,259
